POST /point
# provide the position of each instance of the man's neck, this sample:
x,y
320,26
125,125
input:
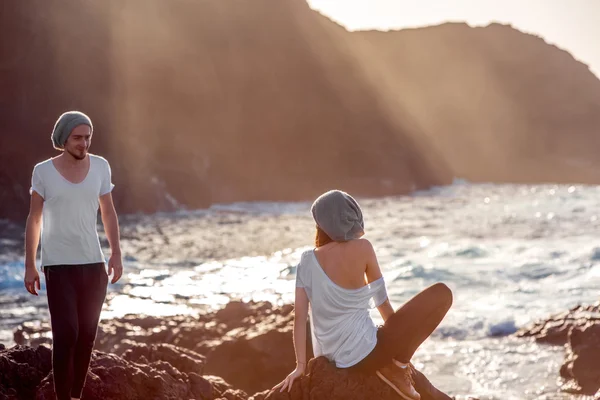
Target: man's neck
x,y
68,160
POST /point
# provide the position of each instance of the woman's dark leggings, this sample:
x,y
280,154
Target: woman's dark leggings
x,y
407,328
75,297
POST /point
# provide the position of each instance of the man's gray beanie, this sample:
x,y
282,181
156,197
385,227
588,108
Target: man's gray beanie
x,y
65,124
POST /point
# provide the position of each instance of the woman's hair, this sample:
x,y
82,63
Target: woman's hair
x,y
322,238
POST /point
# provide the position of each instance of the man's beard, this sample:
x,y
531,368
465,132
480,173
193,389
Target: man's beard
x,y
77,155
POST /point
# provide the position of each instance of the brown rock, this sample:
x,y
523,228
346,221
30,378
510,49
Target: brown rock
x,y
22,369
555,329
111,377
323,381
248,344
579,330
581,369
254,353
235,312
29,332
257,356
184,360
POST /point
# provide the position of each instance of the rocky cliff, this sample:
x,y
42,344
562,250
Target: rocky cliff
x,y
218,101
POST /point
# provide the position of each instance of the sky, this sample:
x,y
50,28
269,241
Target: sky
x,y
573,25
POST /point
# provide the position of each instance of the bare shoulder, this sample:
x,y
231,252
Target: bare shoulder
x,y
362,246
363,243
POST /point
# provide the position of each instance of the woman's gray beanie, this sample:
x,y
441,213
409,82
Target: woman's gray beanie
x,y
338,215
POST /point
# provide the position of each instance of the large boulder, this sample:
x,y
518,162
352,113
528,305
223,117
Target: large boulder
x,y
578,330
323,381
257,356
581,369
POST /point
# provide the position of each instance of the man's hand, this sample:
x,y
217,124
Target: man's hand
x,y
32,280
111,227
115,267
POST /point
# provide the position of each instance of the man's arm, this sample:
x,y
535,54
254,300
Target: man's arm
x,y
111,228
32,240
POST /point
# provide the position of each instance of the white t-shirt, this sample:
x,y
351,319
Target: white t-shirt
x,y
69,217
341,325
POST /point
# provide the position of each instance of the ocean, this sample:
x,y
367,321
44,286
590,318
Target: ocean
x,y
510,253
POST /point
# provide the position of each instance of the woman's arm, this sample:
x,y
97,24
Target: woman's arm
x,y
300,318
372,273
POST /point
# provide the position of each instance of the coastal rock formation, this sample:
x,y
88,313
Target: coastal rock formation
x,y
247,344
555,329
22,369
579,330
241,349
112,377
323,381
196,103
581,368
25,375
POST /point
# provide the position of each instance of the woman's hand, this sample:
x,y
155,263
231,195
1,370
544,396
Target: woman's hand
x,y
289,380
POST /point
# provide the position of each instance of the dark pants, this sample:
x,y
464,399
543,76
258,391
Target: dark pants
x,y
75,297
407,328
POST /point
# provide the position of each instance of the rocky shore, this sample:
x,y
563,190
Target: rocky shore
x,y
236,353
240,352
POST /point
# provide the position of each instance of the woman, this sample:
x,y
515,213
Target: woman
x,y
341,280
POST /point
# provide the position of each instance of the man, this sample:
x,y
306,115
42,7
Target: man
x,y
66,192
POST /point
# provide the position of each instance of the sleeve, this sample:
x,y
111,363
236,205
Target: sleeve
x,y
299,280
107,185
36,183
378,294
